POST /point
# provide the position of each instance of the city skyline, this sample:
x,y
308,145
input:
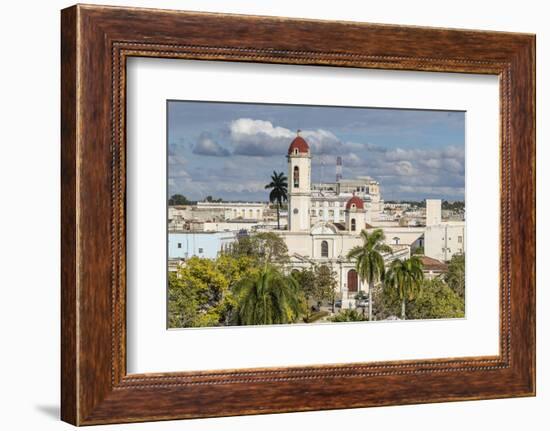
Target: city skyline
x,y
414,154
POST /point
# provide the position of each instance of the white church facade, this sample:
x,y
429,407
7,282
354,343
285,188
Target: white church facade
x,y
315,236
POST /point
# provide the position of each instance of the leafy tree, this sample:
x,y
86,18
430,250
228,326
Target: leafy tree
x,y
456,277
306,280
178,199
317,284
242,247
404,279
198,294
348,316
279,192
268,297
235,268
182,303
369,262
325,284
385,305
264,247
438,301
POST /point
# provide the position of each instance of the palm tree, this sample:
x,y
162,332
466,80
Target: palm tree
x,y
369,261
279,191
405,277
268,297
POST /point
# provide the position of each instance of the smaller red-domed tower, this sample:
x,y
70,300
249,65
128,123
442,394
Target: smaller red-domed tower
x,y
355,214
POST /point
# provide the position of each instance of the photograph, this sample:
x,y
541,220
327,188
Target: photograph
x,y
306,214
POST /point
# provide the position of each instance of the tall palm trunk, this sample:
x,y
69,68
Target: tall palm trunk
x,y
278,223
403,316
371,287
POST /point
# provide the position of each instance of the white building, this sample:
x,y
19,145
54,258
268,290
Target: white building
x,y
442,239
317,238
325,222
184,245
237,210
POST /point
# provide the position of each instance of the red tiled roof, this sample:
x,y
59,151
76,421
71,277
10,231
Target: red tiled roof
x,y
357,201
299,143
431,264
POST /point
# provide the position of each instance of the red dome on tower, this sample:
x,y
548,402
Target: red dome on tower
x,y
358,202
299,144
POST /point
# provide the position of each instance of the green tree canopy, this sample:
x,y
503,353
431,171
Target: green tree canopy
x,y
197,294
404,279
178,199
268,297
265,247
317,284
437,301
456,277
325,283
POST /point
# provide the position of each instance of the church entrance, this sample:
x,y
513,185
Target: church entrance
x,y
352,280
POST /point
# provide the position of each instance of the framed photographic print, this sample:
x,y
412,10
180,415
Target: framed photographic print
x,y
266,215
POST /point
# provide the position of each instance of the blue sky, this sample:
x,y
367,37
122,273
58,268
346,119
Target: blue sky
x,y
229,150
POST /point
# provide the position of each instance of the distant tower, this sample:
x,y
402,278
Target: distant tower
x,y
355,214
338,168
433,212
299,187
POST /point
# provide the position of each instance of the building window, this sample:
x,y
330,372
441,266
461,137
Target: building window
x,y
324,249
396,239
296,176
460,239
179,244
295,150
353,224
295,211
320,212
201,250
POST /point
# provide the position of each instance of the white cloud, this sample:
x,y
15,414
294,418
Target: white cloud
x,y
261,138
207,146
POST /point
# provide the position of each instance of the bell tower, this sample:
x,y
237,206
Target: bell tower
x,y
355,215
299,185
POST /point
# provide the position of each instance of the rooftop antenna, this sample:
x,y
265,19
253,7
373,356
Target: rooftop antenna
x,y
338,168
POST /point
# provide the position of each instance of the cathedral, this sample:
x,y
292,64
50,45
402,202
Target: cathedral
x,y
325,221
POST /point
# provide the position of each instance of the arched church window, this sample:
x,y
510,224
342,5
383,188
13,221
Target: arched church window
x,y
353,224
296,176
396,239
324,249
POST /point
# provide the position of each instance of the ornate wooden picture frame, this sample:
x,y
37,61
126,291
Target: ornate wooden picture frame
x,y
96,42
